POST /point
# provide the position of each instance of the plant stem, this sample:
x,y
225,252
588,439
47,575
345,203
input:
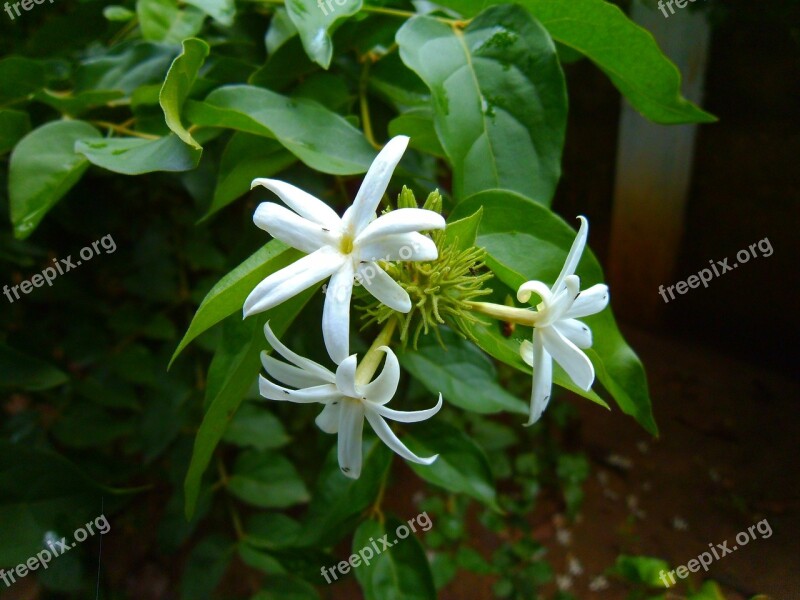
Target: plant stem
x,y
124,130
369,364
364,103
510,314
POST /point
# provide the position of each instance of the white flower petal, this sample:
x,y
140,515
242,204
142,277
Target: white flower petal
x,y
328,419
390,439
526,352
292,279
320,393
399,246
382,389
412,416
403,220
289,374
576,332
383,287
534,287
358,216
589,302
303,203
346,377
574,256
306,364
292,229
336,313
542,378
351,428
569,356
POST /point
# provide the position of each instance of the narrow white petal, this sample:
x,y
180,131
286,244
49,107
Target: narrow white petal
x,y
576,332
303,203
292,279
351,428
306,364
346,377
328,419
412,416
382,389
320,393
526,352
574,256
292,229
289,374
542,378
534,287
569,356
403,220
383,287
390,439
336,313
399,246
589,302
358,216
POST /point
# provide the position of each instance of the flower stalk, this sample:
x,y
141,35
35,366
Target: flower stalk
x,y
372,359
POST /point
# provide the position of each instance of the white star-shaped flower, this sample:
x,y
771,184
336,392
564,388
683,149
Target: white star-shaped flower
x,y
347,403
343,248
557,333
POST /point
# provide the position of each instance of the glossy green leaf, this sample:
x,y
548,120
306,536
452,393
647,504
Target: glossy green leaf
x,y
267,480
75,104
640,569
118,14
499,99
180,77
19,78
22,371
222,11
164,21
258,559
14,125
135,156
462,233
314,19
256,427
526,241
319,137
281,29
401,572
418,125
126,67
44,167
228,295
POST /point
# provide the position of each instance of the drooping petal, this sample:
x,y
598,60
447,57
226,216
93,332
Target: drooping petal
x,y
319,393
569,356
289,374
292,229
534,287
346,377
574,256
336,313
542,377
390,439
526,352
358,216
292,279
576,332
328,419
351,428
303,203
589,302
403,220
383,287
399,246
313,368
411,416
382,389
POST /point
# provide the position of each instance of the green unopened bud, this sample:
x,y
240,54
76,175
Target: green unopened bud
x,y
433,202
406,199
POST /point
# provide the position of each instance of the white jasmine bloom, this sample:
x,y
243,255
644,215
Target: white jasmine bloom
x,y
557,333
347,403
343,248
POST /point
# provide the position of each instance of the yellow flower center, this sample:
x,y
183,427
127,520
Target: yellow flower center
x,y
346,245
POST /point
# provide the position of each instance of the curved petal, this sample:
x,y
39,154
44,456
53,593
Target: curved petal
x,y
399,246
569,356
542,378
526,352
346,377
589,302
411,416
303,203
306,364
328,419
574,256
383,287
292,229
576,332
382,389
351,428
292,279
534,287
336,313
319,393
289,374
390,439
358,216
402,220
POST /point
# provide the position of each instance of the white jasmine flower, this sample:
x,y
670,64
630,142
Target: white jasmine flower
x,y
343,248
347,403
557,334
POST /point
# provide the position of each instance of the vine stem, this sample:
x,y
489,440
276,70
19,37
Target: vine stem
x,y
124,130
364,103
369,364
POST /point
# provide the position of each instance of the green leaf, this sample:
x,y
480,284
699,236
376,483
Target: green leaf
x,y
462,467
258,559
401,572
314,20
640,569
222,11
418,125
245,158
14,125
19,78
267,480
286,587
710,590
135,156
126,67
256,427
180,77
236,365
43,168
281,30
21,371
499,99
229,294
461,373
463,232
205,567
317,136
74,104
118,14
526,241
164,21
